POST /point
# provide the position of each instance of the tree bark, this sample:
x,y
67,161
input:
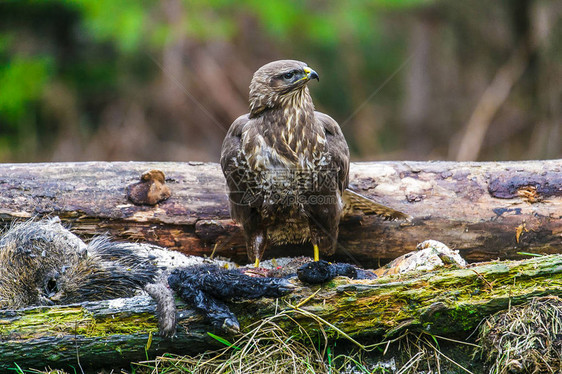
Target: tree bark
x,y
486,210
113,333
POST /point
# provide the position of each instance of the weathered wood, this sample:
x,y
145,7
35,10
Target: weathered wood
x,y
443,302
486,210
93,334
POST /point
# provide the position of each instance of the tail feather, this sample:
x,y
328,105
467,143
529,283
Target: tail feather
x,y
355,201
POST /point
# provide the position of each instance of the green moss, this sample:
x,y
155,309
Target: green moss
x,y
38,322
139,323
444,302
54,357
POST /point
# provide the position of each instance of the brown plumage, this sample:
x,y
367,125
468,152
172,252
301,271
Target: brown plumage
x,y
287,165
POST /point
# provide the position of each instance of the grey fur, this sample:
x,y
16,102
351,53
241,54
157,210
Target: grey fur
x,y
42,263
166,307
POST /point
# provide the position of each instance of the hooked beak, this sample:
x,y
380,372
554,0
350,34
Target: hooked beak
x,y
311,74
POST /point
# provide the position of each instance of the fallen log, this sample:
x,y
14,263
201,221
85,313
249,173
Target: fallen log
x,y
115,332
486,210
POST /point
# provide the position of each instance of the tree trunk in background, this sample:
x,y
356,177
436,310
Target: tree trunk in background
x,y
485,210
547,132
418,85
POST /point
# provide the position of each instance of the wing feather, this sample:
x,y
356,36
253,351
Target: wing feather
x,y
233,168
355,201
230,152
337,148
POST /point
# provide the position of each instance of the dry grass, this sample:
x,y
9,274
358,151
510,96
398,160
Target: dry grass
x,y
271,352
267,348
525,339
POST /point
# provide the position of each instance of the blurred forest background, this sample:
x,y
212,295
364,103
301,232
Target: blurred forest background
x,y
162,80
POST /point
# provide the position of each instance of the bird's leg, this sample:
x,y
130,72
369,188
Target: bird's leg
x,y
258,244
324,244
316,253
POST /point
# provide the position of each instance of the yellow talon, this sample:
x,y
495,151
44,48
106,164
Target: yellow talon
x,y
257,263
316,253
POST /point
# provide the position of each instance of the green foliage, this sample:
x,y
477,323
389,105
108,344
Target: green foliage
x,y
120,21
22,80
222,340
104,50
323,22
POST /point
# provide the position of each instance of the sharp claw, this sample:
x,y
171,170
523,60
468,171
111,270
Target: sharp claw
x,y
231,325
286,287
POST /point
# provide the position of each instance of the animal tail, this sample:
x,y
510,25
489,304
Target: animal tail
x,y
355,201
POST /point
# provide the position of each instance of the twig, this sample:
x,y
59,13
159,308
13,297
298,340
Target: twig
x,y
491,101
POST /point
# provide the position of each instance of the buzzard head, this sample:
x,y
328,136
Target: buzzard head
x,y
275,83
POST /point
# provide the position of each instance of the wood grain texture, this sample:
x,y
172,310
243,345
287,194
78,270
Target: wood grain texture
x,y
486,210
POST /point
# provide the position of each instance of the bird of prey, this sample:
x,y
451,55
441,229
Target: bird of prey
x,y
287,166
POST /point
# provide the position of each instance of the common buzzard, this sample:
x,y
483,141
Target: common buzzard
x,y
287,166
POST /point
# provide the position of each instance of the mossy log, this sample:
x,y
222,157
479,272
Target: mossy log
x,y
444,302
486,210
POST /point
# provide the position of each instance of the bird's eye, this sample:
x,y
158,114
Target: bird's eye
x,y
288,75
